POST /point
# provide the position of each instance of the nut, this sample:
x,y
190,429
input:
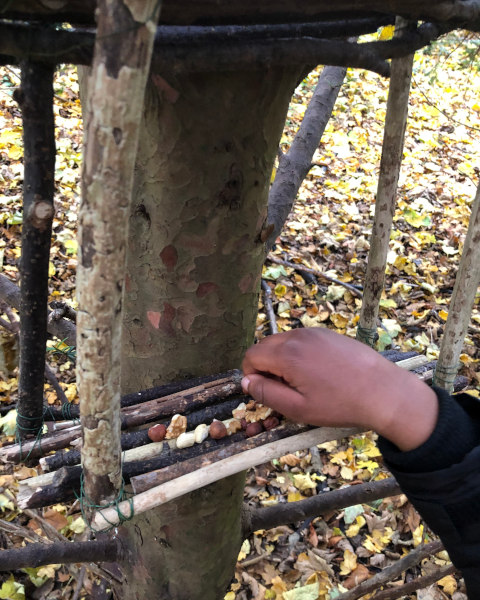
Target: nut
x,y
232,425
243,423
201,433
185,440
261,412
218,430
239,412
270,423
157,432
253,429
178,425
251,405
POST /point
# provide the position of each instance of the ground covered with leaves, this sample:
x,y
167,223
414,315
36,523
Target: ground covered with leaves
x,y
328,230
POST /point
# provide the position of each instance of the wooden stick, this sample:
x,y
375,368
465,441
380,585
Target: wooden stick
x,y
147,480
316,272
393,571
416,584
35,97
267,302
113,115
392,150
135,439
463,297
216,471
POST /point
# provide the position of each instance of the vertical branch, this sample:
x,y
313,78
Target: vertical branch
x,y
35,97
123,49
392,150
463,297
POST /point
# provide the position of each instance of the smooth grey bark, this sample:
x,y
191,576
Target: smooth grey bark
x,y
295,164
390,164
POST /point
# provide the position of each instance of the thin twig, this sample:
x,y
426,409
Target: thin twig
x,y
52,379
416,584
267,302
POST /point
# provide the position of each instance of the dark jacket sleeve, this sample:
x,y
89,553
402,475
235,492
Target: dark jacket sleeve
x,y
442,480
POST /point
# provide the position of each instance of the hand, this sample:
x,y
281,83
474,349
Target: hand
x,y
319,377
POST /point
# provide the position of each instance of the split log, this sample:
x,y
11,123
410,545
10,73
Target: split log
x,y
121,65
392,151
35,97
292,512
389,573
216,471
463,297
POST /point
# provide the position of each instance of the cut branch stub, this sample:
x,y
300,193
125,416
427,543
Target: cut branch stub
x,y
117,85
460,309
392,150
35,98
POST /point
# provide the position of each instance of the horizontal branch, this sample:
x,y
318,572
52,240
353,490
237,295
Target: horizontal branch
x,y
185,12
222,52
38,554
273,516
216,471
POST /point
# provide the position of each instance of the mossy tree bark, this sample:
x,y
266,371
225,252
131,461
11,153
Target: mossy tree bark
x,y
193,271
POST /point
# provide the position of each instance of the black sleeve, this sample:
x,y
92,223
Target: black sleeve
x,y
442,480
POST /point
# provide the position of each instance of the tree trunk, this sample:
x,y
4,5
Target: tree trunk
x,y
193,271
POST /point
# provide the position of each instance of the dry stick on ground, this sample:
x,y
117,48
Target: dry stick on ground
x,y
35,97
463,297
416,584
294,165
273,516
121,64
52,379
392,150
214,472
389,573
62,329
267,302
316,272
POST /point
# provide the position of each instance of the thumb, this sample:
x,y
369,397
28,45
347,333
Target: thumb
x,y
275,394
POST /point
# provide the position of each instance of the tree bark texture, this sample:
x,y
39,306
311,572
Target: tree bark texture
x,y
460,308
35,97
392,152
116,92
193,275
187,12
295,164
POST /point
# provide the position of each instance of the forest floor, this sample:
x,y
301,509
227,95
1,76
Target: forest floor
x,y
328,230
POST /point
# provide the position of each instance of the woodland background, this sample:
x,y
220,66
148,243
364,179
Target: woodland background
x,y
328,230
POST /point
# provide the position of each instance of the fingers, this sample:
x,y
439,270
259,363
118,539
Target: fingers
x,y
275,394
264,356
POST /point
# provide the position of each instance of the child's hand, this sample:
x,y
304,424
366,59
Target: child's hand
x,y
319,377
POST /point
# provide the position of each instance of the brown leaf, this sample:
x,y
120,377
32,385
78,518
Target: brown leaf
x,y
361,573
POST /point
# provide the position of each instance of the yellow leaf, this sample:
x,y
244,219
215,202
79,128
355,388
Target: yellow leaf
x,y
418,536
386,33
346,473
229,596
51,269
348,563
443,314
448,584
339,320
354,528
294,497
280,289
244,550
303,482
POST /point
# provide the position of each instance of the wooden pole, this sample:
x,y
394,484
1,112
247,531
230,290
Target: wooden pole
x,y
392,150
463,297
35,97
121,63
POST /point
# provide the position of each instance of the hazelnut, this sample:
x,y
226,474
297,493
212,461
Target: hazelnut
x,y
218,430
243,423
157,432
178,425
270,423
253,429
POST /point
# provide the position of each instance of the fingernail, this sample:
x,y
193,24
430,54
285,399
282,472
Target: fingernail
x,y
245,383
